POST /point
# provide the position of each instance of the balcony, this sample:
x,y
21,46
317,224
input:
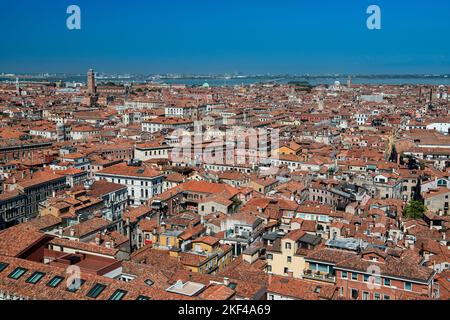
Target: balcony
x,y
317,275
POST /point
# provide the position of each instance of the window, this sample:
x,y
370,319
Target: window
x,y
366,278
366,295
387,282
286,270
118,295
354,294
269,268
289,259
35,277
17,273
323,268
386,297
3,266
354,276
408,286
96,290
344,275
269,256
143,298
288,245
55,282
377,296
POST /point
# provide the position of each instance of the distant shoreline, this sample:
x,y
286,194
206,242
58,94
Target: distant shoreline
x,y
223,80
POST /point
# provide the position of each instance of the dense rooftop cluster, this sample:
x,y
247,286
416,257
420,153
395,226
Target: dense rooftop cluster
x,y
350,201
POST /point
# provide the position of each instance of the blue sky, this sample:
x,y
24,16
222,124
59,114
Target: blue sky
x,y
216,36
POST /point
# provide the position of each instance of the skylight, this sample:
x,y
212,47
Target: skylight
x,y
118,295
17,273
96,290
35,277
55,282
3,266
149,282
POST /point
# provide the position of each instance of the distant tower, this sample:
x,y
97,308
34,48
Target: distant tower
x,y
91,82
18,90
349,82
321,104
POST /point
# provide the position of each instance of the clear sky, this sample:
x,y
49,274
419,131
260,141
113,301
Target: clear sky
x,y
217,36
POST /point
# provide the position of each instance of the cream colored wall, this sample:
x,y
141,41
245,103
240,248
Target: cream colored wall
x,y
279,261
436,204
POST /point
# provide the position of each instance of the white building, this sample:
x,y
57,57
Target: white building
x,y
143,183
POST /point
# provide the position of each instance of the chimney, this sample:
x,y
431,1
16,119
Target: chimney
x,y
72,232
60,231
97,239
226,281
108,245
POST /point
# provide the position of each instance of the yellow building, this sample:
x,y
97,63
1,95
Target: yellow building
x,y
207,255
287,255
291,148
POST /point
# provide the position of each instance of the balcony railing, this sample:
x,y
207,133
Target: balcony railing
x,y
315,275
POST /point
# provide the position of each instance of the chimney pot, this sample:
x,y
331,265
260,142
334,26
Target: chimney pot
x,y
97,238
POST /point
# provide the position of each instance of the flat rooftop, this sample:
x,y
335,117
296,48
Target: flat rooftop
x,y
188,288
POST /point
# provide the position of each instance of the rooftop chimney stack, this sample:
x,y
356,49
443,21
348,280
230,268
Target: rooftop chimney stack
x,y
97,239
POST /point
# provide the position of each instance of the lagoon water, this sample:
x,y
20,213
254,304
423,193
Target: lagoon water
x,y
221,81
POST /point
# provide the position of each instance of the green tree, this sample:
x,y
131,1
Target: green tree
x,y
415,210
